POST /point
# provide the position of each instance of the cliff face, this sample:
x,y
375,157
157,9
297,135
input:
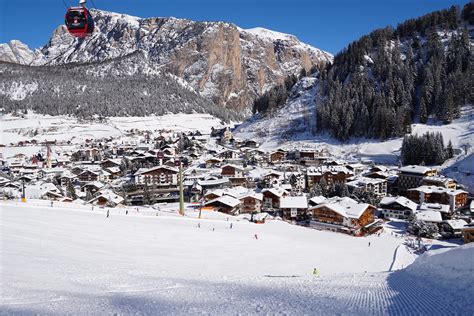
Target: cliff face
x,y
224,63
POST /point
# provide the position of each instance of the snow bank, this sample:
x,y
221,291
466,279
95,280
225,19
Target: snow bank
x,y
452,269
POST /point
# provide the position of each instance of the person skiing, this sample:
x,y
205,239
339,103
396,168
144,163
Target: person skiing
x,y
51,203
230,225
256,237
126,212
369,243
108,213
199,225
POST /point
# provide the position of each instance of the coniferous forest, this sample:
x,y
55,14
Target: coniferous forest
x,y
388,79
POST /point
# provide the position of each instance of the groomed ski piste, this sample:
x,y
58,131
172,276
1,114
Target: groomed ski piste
x,y
71,259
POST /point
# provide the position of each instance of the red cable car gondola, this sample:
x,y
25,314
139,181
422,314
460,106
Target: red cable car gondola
x,y
79,21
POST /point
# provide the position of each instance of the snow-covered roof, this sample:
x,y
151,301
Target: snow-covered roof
x,y
110,196
293,202
363,181
440,190
146,170
114,169
96,184
456,223
235,191
345,206
225,199
429,216
318,171
415,169
318,199
275,191
253,194
234,166
400,200
356,165
443,208
213,182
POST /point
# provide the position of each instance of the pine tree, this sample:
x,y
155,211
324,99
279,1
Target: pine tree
x,y
71,191
449,150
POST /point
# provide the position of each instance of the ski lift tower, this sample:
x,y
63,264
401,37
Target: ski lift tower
x,y
179,164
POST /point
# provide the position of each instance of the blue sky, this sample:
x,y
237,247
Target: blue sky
x,y
329,25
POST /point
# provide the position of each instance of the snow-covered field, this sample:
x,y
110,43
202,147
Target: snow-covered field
x,y
69,259
64,128
69,132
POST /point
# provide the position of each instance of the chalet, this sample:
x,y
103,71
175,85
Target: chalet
x,y
89,176
250,202
331,174
107,198
232,171
276,156
376,186
160,176
343,215
229,154
440,181
453,228
430,194
272,178
412,176
377,172
294,207
297,181
213,162
114,172
214,183
271,198
110,163
212,195
397,207
51,195
225,204
356,168
92,187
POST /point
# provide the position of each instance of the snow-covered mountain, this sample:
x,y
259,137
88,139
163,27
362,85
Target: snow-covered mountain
x,y
129,85
17,52
224,63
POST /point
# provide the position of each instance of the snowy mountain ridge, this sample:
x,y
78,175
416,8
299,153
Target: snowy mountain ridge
x,y
224,63
17,52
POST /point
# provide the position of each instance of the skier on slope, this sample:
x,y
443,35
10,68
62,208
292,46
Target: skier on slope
x,y
108,213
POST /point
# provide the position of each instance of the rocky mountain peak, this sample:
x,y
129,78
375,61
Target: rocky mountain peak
x,y
224,63
16,52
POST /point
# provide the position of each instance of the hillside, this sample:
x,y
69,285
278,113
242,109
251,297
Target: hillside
x,y
390,78
419,72
141,263
125,86
228,65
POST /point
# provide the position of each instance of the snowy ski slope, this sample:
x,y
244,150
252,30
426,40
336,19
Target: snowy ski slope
x,y
69,259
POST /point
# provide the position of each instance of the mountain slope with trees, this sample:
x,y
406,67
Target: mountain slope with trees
x,y
384,81
125,86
